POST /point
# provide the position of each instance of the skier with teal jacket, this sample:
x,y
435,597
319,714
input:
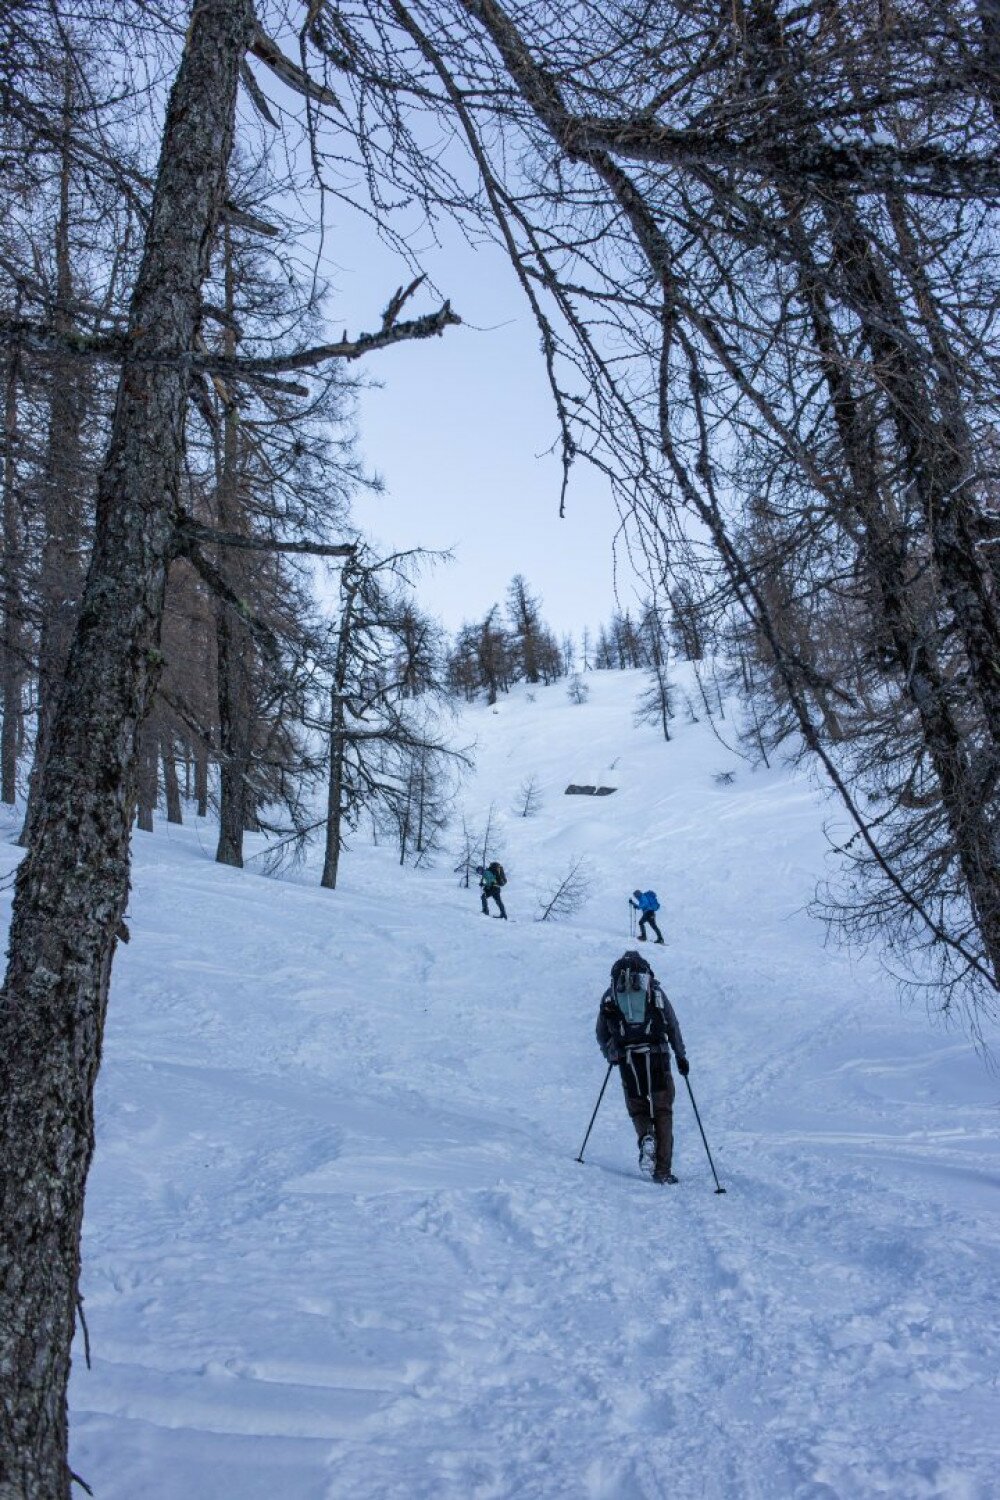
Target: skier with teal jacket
x,y
491,878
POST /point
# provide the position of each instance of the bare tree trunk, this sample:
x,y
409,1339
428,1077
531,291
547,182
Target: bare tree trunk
x,y
234,737
663,692
61,582
147,778
72,885
335,782
10,643
335,792
422,793
171,786
703,694
234,640
404,821
201,780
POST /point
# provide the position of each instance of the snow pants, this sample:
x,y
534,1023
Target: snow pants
x,y
650,917
493,894
649,1099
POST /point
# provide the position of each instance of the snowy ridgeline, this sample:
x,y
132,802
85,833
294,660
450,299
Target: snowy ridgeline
x,y
337,1244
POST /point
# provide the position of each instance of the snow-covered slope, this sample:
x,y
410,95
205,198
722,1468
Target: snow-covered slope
x,y
337,1244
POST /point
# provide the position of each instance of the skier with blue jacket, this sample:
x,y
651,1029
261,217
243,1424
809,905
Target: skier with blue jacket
x,y
646,904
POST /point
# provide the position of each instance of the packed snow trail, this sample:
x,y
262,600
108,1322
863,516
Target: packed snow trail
x,y
337,1244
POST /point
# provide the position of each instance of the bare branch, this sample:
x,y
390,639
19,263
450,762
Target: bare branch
x,y
290,73
786,155
256,94
218,585
191,531
429,326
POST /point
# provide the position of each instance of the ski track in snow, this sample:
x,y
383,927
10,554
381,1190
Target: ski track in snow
x,y
337,1244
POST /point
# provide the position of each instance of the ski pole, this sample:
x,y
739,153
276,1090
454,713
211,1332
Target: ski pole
x,y
596,1108
631,920
718,1185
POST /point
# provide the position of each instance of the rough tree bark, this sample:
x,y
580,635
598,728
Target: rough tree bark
x,y
147,779
72,885
171,785
234,641
10,642
61,581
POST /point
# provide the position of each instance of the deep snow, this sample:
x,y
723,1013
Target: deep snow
x,y
337,1244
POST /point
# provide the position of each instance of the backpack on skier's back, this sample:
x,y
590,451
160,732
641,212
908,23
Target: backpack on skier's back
x,y
647,901
633,993
496,870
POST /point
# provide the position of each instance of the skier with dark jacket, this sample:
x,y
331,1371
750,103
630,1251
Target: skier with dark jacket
x,y
646,904
636,1028
489,885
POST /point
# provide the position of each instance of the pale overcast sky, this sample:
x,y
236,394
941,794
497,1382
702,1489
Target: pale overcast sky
x,y
459,431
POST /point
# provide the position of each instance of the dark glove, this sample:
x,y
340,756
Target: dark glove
x,y
611,1056
683,1067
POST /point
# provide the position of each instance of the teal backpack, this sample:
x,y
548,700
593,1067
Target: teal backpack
x,y
633,991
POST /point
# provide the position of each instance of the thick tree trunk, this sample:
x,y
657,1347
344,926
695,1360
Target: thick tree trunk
x,y
72,885
10,642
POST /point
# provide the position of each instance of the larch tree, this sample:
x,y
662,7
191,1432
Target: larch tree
x,y
759,243
386,753
72,885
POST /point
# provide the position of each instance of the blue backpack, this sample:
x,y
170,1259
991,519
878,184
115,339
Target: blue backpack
x,y
648,901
